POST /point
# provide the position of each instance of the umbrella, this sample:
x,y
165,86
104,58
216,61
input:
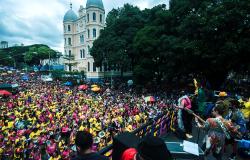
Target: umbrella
x,y
5,93
149,99
95,89
5,85
14,85
130,82
83,87
94,85
25,78
68,83
222,94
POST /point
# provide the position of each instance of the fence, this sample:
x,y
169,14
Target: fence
x,y
157,127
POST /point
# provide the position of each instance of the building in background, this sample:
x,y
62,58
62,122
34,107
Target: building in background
x,y
4,44
80,31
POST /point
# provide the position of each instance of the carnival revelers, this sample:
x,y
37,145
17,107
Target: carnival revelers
x,y
45,114
184,118
237,118
216,131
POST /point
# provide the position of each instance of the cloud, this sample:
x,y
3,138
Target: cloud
x,y
40,21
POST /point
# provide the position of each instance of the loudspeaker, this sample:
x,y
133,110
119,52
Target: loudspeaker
x,y
122,142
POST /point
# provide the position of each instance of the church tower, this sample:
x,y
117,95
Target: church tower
x,y
80,31
95,15
68,33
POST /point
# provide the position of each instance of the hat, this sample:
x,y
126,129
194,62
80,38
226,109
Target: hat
x,y
222,94
153,148
129,154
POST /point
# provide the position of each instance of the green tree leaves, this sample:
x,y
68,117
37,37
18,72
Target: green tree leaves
x,y
192,36
30,55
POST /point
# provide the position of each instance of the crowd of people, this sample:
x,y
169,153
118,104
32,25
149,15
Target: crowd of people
x,y
42,119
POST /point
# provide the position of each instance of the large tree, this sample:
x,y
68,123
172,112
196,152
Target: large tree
x,y
114,46
192,36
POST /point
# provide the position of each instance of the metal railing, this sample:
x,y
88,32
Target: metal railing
x,y
156,126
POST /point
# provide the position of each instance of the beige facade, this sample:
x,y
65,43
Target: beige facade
x,y
80,31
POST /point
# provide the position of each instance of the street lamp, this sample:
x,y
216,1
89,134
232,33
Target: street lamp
x,y
49,61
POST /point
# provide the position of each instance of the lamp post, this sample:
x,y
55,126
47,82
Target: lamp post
x,y
49,61
111,81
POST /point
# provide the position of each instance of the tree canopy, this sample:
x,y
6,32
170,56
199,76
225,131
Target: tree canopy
x,y
192,36
30,55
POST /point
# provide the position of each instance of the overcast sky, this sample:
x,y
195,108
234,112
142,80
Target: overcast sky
x,y
41,21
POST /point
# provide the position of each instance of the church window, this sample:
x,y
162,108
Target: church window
x,y
89,49
94,67
94,32
83,53
87,17
69,41
80,53
88,66
81,39
88,33
94,16
69,28
100,18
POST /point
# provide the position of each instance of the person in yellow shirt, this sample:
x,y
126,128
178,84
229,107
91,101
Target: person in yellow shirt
x,y
246,108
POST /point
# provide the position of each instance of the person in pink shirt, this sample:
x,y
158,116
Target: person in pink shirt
x,y
184,119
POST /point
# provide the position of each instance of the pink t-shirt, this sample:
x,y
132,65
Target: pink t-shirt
x,y
186,102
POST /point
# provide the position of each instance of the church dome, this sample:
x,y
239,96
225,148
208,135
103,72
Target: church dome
x,y
94,3
70,16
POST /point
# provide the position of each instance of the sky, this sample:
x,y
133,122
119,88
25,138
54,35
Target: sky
x,y
41,21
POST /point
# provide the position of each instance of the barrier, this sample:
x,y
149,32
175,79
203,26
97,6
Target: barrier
x,y
157,127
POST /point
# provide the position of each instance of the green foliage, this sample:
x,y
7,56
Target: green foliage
x,y
35,54
5,59
30,55
114,45
192,36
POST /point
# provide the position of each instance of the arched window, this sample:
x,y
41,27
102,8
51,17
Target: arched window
x,y
65,41
87,17
81,39
94,67
69,41
80,53
68,27
100,18
88,66
69,53
83,53
94,32
88,33
88,49
94,16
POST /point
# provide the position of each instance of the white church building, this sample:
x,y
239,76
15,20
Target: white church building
x,y
80,31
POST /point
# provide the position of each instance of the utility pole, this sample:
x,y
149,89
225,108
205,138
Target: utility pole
x,y
49,61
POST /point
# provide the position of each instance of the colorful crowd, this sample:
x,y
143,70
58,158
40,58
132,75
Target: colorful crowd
x,y
40,121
